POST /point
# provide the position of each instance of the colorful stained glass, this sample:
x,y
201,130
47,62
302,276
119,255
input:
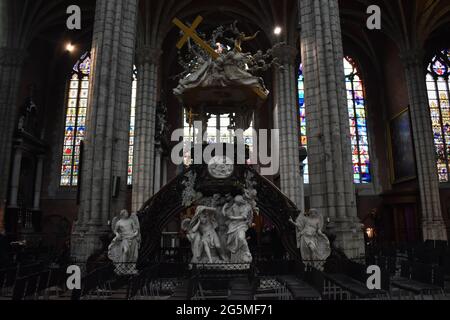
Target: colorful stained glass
x,y
302,112
132,126
358,123
437,81
75,123
357,120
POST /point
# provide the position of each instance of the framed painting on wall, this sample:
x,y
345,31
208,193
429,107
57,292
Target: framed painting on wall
x,y
401,149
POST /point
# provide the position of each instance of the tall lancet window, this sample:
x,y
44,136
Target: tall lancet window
x,y
132,127
302,112
358,123
75,123
357,119
438,95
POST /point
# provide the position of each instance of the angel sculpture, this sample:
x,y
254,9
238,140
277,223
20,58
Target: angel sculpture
x,y
313,243
201,232
124,248
239,214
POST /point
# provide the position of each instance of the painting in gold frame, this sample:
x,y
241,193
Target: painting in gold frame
x,y
401,148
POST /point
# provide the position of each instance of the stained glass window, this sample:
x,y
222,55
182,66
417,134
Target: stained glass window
x,y
357,119
132,127
437,80
217,124
75,123
302,112
358,123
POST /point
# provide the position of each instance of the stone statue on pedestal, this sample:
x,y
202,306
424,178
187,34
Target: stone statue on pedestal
x,y
313,243
124,248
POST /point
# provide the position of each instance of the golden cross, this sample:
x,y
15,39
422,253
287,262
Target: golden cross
x,y
191,33
190,117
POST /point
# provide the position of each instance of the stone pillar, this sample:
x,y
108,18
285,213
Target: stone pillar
x,y
104,173
38,183
158,173
433,226
329,146
148,63
15,178
286,120
11,61
164,172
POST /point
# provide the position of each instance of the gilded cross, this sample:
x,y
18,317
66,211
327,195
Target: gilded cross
x,y
189,32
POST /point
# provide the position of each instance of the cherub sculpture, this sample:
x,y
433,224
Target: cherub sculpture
x,y
243,38
201,232
313,243
124,248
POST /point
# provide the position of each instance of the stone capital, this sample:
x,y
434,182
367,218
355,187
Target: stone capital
x,y
285,54
148,55
12,56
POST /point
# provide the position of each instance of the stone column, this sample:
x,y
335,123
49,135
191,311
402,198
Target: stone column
x,y
15,178
158,173
286,120
148,63
329,146
433,226
11,61
164,172
108,124
38,183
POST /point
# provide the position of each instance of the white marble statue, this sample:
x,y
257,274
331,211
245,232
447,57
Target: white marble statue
x,y
239,214
201,232
313,243
229,69
124,248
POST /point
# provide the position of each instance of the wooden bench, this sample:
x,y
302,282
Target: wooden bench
x,y
299,289
420,279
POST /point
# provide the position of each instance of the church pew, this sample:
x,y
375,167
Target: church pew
x,y
31,286
29,269
351,282
19,289
184,291
299,289
7,280
241,289
92,284
420,279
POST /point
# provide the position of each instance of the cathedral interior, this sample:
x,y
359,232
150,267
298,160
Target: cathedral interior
x,y
355,116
